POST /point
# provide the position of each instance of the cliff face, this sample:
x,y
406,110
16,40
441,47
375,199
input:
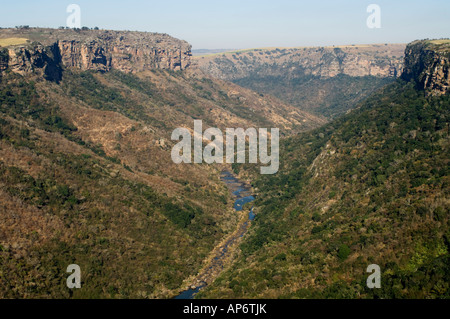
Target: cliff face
x,y
127,52
39,59
427,63
50,50
377,60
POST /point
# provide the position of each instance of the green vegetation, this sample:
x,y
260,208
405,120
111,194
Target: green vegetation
x,y
330,97
4,55
323,81
86,178
68,199
372,187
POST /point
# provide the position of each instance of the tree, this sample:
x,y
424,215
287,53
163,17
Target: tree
x,y
343,252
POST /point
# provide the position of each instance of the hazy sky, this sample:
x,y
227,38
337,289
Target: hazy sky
x,y
239,24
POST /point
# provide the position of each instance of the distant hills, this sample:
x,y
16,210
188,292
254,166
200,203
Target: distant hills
x,y
200,52
327,81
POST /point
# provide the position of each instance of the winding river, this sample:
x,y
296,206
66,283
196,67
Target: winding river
x,y
242,194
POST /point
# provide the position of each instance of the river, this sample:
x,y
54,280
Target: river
x,y
242,195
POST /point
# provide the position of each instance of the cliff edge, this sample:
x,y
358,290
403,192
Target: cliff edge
x,y
427,63
380,60
49,50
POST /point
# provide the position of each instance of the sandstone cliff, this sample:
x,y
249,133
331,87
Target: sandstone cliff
x,y
49,50
427,63
378,60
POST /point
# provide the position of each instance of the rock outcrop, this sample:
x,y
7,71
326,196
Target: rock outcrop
x,y
37,58
427,63
98,50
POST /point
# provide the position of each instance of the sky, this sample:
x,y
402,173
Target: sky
x,y
240,24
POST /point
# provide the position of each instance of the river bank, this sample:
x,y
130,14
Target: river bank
x,y
223,253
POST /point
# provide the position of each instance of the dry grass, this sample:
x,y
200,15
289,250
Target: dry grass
x,y
441,45
12,41
443,41
364,46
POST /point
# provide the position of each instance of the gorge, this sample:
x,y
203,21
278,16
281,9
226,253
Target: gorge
x,y
86,174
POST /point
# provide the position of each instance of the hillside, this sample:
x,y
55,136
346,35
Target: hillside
x,y
326,81
85,160
371,187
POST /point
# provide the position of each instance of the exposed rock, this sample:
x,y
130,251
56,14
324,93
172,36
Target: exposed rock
x,y
378,60
127,52
40,59
427,63
98,50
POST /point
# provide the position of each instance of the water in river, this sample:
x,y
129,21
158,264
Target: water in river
x,y
242,194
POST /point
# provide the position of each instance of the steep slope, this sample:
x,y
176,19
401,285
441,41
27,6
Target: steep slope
x,y
428,64
325,80
369,188
85,181
86,170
